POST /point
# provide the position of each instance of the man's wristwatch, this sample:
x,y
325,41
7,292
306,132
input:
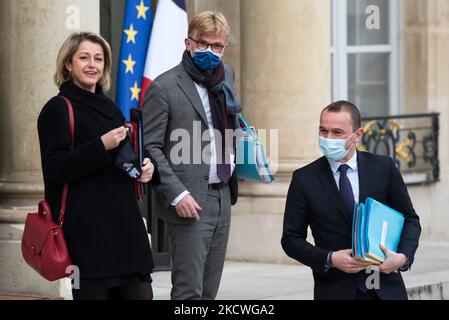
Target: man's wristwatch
x,y
329,263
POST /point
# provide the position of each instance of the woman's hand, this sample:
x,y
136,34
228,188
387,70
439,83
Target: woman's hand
x,y
147,171
113,138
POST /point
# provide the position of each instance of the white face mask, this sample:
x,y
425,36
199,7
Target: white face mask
x,y
334,149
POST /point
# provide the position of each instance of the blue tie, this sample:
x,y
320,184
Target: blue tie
x,y
346,194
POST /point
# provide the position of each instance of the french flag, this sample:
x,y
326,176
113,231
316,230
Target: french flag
x,y
166,46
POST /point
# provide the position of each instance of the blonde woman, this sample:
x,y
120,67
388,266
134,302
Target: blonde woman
x,y
103,226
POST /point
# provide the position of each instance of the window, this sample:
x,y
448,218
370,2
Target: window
x,y
365,55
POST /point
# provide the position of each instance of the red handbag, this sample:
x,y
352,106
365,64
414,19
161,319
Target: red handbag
x,y
43,244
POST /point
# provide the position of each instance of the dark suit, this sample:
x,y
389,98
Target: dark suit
x,y
313,201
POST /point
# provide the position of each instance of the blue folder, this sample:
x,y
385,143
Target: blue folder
x,y
374,224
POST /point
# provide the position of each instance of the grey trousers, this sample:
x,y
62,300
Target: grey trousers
x,y
198,250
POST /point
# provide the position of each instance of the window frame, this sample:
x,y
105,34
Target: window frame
x,y
340,51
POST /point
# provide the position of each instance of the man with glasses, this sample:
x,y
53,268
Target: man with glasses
x,y
198,180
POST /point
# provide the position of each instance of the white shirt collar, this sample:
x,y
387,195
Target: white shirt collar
x,y
352,163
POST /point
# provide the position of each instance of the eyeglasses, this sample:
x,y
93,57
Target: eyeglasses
x,y
203,45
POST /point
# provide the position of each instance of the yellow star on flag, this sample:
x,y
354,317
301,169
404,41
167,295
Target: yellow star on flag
x,y
135,91
142,10
131,33
129,64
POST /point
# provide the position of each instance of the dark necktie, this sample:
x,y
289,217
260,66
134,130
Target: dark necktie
x,y
346,194
219,122
224,171
347,197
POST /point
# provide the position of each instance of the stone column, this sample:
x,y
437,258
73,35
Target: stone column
x,y
32,33
286,81
426,79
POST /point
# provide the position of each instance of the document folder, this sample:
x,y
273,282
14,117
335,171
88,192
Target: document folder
x,y
136,135
375,223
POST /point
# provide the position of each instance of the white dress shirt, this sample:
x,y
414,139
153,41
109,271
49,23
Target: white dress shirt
x,y
352,174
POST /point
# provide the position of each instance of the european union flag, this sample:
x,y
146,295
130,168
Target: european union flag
x,y
136,35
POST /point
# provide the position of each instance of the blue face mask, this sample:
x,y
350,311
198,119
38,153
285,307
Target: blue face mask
x,y
334,149
207,59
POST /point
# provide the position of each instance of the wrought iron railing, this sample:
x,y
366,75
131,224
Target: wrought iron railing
x,y
411,140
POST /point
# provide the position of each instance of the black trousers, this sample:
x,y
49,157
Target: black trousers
x,y
130,291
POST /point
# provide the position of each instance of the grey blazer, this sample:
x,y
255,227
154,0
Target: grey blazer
x,y
170,109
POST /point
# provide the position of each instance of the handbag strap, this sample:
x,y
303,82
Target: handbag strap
x,y
72,137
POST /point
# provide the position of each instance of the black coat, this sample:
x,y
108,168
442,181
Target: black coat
x,y
103,226
313,201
